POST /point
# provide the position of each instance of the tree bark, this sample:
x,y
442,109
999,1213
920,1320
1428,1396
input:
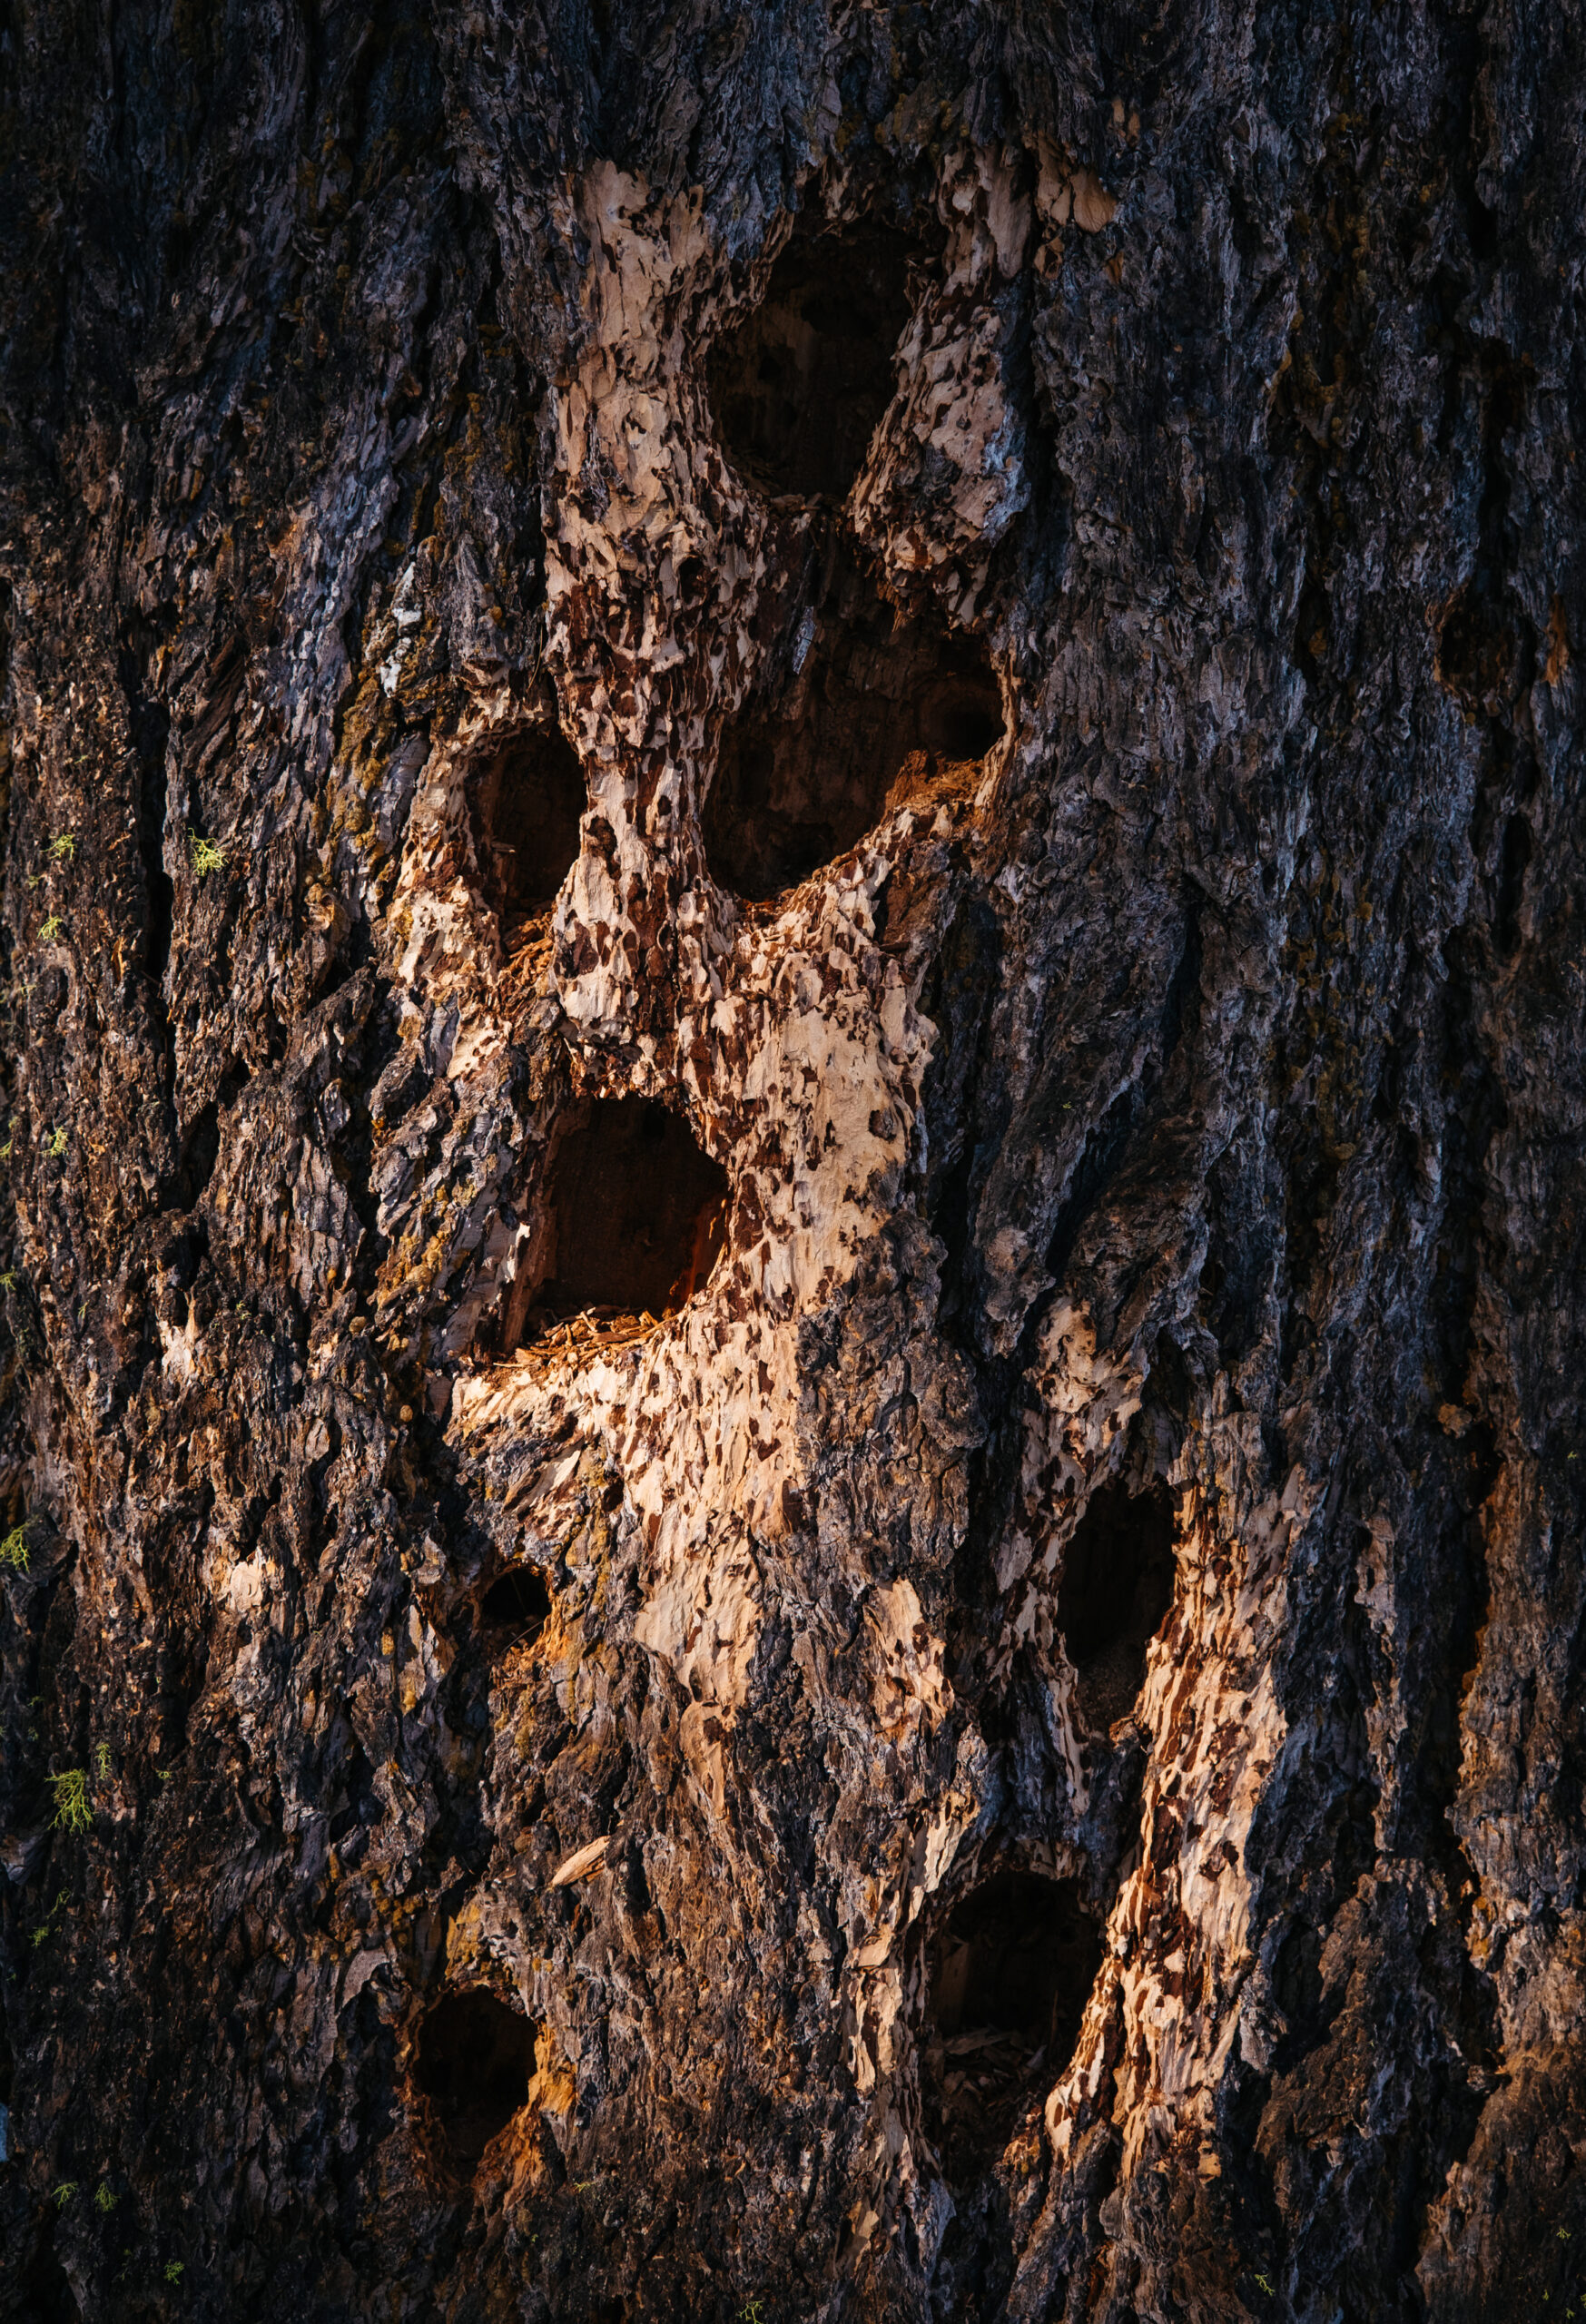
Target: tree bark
x,y
793,1330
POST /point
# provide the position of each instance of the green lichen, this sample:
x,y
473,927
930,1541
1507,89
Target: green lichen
x,y
72,1813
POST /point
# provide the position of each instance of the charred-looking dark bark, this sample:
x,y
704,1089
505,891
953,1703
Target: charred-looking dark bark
x,y
791,1336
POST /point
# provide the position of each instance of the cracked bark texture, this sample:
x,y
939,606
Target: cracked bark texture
x,y
1179,1104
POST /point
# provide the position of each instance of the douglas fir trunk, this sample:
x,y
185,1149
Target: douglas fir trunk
x,y
794,961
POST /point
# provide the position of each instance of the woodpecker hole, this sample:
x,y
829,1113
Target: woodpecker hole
x,y
1117,1587
515,1607
799,387
638,1215
474,2061
526,799
869,705
1009,1978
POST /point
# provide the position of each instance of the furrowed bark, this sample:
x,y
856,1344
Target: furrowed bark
x,y
792,1318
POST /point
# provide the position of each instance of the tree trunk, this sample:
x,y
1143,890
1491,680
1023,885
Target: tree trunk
x,y
793,1333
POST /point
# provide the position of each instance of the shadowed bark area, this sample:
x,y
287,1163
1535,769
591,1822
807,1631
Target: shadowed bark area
x,y
791,1098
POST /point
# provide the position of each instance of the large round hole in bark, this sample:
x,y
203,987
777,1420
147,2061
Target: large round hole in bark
x,y
798,387
1117,1587
526,799
1476,651
474,2061
873,702
1009,1975
516,1606
640,1214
